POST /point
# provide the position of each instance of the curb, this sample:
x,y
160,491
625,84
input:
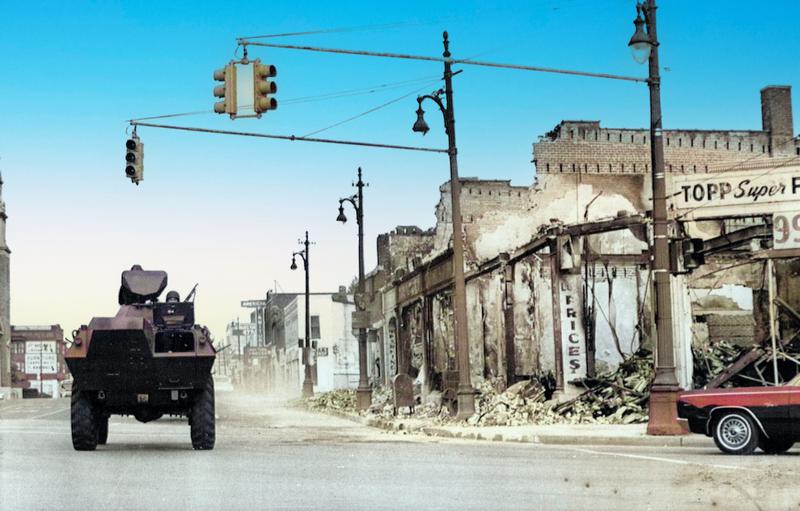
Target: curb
x,y
545,439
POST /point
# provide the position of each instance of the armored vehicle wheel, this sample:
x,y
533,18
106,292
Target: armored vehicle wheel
x,y
84,428
102,429
201,418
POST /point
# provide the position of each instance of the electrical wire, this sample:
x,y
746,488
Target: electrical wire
x,y
330,30
198,112
371,110
320,97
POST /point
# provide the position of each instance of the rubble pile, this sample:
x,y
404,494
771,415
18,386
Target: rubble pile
x,y
617,397
343,400
382,399
711,359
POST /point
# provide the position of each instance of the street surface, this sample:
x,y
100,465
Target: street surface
x,y
269,456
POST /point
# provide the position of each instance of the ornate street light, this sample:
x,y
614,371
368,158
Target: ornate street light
x,y
364,391
641,44
420,126
308,382
663,419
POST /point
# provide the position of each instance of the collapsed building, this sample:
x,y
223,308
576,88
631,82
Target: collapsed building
x,y
557,273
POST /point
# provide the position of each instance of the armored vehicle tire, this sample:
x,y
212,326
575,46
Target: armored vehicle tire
x,y
84,427
201,418
774,446
102,429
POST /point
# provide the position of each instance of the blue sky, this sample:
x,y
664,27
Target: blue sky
x,y
227,211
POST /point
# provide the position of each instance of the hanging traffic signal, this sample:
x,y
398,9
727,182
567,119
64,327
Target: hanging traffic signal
x,y
226,91
134,158
263,87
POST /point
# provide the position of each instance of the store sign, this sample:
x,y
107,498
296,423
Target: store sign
x,y
752,192
573,336
41,357
785,231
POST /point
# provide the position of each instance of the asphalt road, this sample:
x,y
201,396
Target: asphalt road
x,y
268,456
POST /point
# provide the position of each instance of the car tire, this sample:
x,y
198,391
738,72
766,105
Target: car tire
x,y
201,418
84,427
735,433
102,429
775,446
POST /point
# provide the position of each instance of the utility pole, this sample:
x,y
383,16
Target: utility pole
x,y
465,392
364,391
308,382
664,390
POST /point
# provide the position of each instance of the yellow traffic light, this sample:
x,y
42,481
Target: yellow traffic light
x,y
226,91
263,87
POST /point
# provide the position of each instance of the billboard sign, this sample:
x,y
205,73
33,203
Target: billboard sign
x,y
766,189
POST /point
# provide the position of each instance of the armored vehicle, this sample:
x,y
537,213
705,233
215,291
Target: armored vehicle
x,y
149,360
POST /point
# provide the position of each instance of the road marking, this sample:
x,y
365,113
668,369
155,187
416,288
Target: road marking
x,y
668,460
48,414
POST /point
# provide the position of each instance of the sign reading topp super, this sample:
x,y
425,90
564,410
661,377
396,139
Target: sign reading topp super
x,y
758,191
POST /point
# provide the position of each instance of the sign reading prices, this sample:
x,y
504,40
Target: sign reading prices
x,y
786,230
573,337
41,357
764,189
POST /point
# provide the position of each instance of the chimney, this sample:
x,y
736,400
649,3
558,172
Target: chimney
x,y
776,117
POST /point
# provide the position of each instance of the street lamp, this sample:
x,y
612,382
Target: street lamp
x,y
663,391
308,383
465,392
364,392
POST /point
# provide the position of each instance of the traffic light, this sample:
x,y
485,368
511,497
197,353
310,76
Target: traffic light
x,y
134,158
263,87
226,91
686,254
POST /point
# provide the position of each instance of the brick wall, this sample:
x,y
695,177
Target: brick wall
x,y
585,147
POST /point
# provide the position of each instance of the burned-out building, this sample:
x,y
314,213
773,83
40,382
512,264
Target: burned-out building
x,y
557,273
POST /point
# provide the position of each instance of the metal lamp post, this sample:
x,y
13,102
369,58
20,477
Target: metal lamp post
x,y
364,392
663,392
465,393
308,383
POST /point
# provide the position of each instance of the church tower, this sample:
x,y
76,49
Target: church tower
x,y
5,301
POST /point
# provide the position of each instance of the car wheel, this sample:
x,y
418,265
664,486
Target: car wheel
x,y
102,429
201,418
775,446
735,433
84,428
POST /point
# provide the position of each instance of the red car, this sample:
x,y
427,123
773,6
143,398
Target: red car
x,y
741,419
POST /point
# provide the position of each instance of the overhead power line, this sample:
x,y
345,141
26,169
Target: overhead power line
x,y
245,42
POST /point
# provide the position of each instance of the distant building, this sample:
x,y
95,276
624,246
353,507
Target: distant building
x,y
335,359
5,301
37,360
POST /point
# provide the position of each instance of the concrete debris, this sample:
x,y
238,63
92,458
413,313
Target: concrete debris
x,y
712,359
617,397
342,400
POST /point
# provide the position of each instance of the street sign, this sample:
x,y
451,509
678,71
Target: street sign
x,y
786,230
256,351
253,304
361,319
764,189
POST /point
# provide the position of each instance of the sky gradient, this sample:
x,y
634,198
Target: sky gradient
x,y
227,211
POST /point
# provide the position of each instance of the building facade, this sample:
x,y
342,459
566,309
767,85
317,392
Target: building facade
x,y
557,273
334,354
5,302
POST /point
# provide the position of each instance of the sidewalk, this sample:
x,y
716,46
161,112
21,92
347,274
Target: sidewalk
x,y
556,434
